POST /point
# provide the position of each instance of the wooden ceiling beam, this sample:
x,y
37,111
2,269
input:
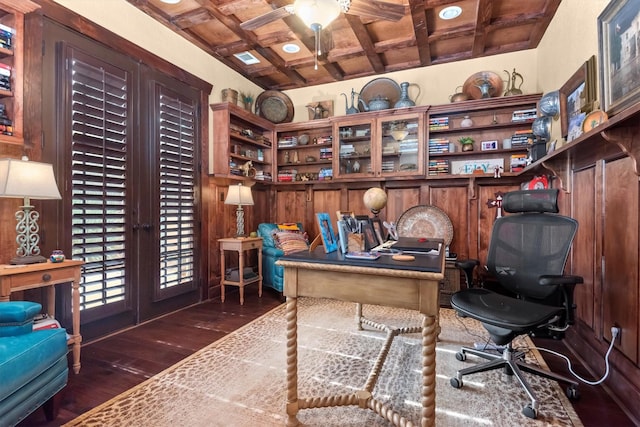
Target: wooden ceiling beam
x,y
364,38
420,31
484,12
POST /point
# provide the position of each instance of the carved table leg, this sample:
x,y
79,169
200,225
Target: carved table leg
x,y
292,361
429,333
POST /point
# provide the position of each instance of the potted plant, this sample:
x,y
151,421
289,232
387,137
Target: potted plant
x,y
467,143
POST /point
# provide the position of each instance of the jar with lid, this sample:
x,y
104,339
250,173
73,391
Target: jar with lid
x,y
466,122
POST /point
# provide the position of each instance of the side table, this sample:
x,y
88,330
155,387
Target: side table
x,y
240,245
14,278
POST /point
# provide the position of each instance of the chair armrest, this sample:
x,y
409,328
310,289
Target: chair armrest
x,y
274,252
467,266
559,280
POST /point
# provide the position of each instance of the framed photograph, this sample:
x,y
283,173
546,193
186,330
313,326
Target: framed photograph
x,y
370,239
577,95
378,229
489,145
619,62
575,126
329,240
341,214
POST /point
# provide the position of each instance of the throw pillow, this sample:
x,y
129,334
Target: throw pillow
x,y
291,241
289,226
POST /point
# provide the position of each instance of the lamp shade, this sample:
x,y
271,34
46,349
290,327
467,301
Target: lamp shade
x,y
321,12
239,195
24,178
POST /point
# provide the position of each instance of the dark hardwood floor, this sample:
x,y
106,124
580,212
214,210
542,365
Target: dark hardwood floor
x,y
116,363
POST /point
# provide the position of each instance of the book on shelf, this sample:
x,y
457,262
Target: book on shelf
x,y
523,115
438,123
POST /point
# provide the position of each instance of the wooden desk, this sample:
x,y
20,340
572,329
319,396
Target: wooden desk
x,y
240,245
48,274
411,285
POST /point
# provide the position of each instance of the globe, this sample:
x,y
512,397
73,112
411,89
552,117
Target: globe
x,y
375,199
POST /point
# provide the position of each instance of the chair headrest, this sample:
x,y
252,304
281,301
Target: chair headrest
x,y
531,201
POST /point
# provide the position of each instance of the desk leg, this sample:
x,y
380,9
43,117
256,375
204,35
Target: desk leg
x,y
222,273
291,316
241,274
429,333
77,338
260,271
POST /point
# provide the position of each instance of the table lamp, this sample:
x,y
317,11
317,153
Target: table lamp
x,y
241,196
27,180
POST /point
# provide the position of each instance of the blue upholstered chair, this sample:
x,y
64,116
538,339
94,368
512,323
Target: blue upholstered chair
x,y
33,364
272,274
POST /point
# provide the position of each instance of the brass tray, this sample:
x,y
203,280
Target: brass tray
x,y
494,81
425,221
383,87
274,106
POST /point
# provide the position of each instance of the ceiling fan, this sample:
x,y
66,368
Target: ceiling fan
x,y
317,14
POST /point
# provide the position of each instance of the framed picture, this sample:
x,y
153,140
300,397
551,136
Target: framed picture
x,y
378,230
329,240
577,95
370,239
342,235
575,126
489,145
341,214
619,63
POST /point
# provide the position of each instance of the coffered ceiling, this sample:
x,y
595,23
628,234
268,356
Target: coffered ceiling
x,y
373,37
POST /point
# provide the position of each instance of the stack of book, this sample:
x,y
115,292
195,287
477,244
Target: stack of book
x,y
328,139
5,77
287,175
524,115
438,123
438,167
522,138
326,153
6,37
408,146
438,145
263,176
518,162
287,142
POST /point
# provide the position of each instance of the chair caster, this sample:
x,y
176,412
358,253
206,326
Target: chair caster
x,y
529,412
455,383
573,393
461,356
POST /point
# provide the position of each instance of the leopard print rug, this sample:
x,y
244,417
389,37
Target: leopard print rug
x,y
240,380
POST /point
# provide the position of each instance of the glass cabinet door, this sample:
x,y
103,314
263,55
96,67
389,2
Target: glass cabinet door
x,y
354,149
400,145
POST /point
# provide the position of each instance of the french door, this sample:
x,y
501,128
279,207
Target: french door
x,y
127,145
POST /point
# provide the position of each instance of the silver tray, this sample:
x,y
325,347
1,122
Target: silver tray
x,y
425,221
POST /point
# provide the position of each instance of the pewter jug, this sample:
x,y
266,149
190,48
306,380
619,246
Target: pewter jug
x,y
511,84
350,109
377,103
404,100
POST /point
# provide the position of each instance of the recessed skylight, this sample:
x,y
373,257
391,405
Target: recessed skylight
x,y
450,12
247,58
170,1
291,48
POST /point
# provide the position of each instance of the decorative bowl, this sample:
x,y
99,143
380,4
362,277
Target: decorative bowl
x,y
549,104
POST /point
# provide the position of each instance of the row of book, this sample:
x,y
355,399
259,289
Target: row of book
x,y
6,125
6,37
518,162
524,115
326,153
438,145
5,77
438,167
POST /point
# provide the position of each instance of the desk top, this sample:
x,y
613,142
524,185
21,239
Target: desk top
x,y
424,263
9,270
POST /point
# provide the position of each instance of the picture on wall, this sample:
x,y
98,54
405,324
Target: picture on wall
x,y
619,54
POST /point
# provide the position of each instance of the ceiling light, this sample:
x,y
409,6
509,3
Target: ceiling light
x,y
320,12
170,1
247,58
450,12
291,48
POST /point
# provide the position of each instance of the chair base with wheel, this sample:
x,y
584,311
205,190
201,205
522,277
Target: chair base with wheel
x,y
527,256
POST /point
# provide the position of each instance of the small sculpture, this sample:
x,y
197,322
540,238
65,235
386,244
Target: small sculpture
x,y
247,169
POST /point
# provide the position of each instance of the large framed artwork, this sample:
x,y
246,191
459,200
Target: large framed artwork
x,y
619,55
577,97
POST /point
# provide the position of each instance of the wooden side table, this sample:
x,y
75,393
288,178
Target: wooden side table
x,y
240,245
14,278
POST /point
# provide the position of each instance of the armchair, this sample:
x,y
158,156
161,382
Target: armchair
x,y
272,250
527,255
33,364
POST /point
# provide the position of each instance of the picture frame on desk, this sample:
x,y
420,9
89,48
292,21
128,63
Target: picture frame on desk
x,y
370,239
378,230
618,66
329,240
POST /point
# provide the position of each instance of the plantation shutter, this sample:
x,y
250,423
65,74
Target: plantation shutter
x,y
100,112
177,137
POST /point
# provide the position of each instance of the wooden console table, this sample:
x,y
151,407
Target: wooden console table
x,y
240,245
14,278
412,285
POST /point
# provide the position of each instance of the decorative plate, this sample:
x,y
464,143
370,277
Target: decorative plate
x,y
274,106
594,119
425,221
382,87
472,86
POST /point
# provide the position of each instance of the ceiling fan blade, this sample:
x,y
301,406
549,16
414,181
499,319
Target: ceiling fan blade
x,y
266,18
376,9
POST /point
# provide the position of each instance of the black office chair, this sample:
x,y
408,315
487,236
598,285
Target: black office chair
x,y
527,255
